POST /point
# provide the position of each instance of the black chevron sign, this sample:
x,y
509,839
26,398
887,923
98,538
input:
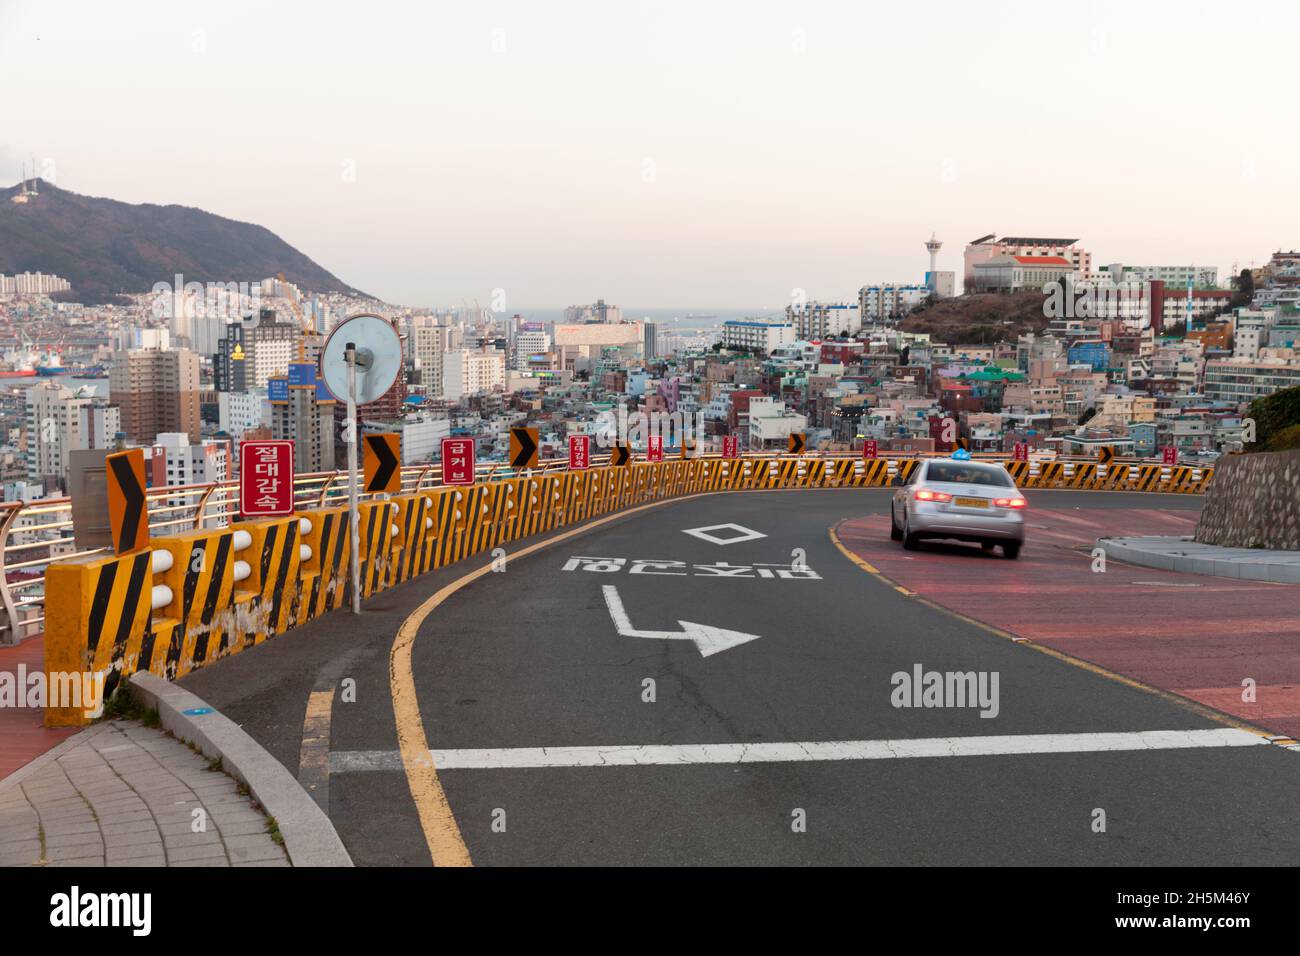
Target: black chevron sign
x,y
523,447
383,460
797,442
620,454
127,516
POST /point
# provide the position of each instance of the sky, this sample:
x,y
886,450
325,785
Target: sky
x,y
663,154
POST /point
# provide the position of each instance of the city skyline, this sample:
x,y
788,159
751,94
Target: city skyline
x,y
699,161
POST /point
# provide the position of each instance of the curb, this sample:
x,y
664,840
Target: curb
x,y
309,837
1187,556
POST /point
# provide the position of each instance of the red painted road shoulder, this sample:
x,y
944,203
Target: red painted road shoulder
x,y
1197,636
23,734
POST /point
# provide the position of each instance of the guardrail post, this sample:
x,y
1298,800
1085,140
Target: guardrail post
x,y
97,614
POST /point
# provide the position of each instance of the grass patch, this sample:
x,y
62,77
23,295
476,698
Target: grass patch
x,y
123,705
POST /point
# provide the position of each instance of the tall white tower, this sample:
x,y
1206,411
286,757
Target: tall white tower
x,y
933,245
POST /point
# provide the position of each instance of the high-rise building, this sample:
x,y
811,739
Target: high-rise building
x,y
251,353
60,421
529,342
156,392
472,372
230,362
426,344
270,346
304,414
650,350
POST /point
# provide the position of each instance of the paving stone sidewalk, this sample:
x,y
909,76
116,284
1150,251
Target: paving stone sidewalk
x,y
122,794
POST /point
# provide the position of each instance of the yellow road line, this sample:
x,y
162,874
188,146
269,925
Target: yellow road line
x,y
1201,710
314,754
441,832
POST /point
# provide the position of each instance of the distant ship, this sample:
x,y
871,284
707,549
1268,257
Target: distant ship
x,y
17,365
51,364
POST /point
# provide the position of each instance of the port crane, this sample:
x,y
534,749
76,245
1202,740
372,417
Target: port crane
x,y
304,325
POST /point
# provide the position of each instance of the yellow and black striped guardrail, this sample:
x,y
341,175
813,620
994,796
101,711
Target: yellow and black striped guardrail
x,y
193,598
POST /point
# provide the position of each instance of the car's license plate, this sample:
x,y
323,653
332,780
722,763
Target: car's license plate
x,y
971,502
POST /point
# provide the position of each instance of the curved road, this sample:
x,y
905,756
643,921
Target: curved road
x,y
576,718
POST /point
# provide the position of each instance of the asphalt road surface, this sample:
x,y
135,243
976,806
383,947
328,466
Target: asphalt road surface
x,y
575,718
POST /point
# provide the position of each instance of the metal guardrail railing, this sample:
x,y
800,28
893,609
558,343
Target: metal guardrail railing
x,y
34,534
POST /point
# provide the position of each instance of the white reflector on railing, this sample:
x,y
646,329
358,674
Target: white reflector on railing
x,y
304,526
242,570
241,540
161,560
304,552
162,595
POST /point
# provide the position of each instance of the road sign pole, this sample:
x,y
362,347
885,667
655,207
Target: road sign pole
x,y
354,517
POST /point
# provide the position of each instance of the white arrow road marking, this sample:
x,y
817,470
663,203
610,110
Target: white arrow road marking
x,y
709,640
615,755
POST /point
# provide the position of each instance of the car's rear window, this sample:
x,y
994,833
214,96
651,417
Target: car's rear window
x,y
968,474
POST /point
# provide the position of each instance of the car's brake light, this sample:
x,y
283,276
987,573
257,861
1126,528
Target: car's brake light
x,y
925,494
1009,502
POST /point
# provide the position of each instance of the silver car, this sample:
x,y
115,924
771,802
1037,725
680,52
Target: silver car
x,y
965,500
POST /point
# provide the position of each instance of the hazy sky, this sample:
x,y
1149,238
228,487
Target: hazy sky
x,y
698,154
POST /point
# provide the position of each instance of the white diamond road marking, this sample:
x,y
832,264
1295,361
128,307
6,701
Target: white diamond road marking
x,y
505,758
743,533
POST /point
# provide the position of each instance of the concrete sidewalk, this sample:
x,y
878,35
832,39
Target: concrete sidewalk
x,y
122,794
1185,555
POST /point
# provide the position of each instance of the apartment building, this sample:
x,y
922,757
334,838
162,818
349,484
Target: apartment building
x,y
188,463
32,283
824,320
1201,277
1243,379
60,421
156,392
882,303
468,372
754,335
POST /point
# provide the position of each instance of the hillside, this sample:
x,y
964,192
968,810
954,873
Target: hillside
x,y
980,319
105,247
